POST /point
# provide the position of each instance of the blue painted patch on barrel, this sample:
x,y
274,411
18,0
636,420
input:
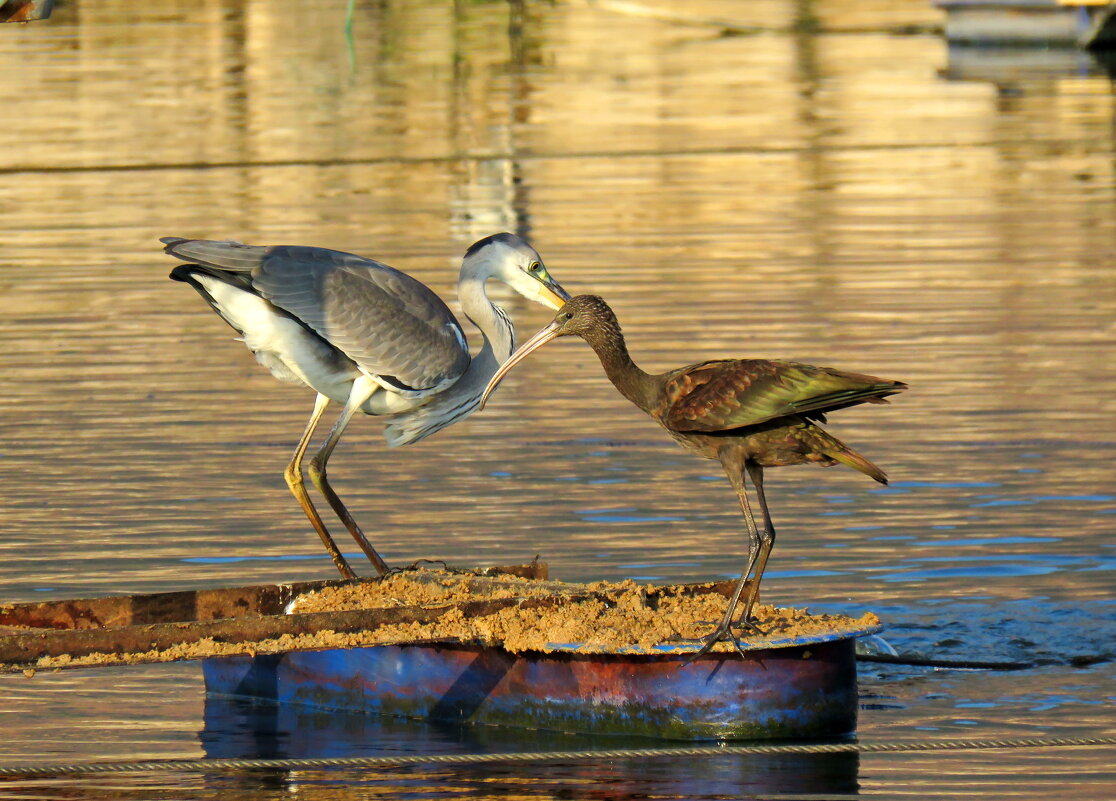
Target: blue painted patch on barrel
x,y
799,689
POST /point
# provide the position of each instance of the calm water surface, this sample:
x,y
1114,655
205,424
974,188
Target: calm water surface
x,y
847,192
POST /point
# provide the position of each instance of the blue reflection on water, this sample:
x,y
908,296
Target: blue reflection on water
x,y
990,571
1088,498
800,573
1018,540
946,484
656,565
1052,559
630,519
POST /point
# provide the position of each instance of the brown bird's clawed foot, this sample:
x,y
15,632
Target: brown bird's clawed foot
x,y
724,633
751,626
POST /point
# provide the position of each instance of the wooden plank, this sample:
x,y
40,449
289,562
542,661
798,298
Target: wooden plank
x,y
155,627
216,604
21,651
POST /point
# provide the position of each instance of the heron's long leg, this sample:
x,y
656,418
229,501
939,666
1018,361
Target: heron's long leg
x,y
733,468
755,472
293,475
362,390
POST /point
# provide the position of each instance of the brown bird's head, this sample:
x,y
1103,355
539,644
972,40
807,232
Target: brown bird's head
x,y
586,316
583,316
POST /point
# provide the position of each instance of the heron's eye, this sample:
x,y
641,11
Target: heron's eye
x,y
567,316
534,267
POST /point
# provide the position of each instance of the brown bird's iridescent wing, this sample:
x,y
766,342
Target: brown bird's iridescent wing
x,y
733,393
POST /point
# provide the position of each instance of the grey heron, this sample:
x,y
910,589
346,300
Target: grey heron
x,y
365,335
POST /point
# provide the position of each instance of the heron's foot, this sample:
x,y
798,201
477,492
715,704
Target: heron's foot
x,y
438,564
414,567
751,625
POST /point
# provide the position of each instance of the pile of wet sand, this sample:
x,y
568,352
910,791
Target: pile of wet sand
x,y
601,617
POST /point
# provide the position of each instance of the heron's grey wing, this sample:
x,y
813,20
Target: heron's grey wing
x,y
390,324
233,256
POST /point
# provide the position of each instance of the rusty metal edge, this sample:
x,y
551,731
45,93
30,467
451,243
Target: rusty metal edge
x,y
684,648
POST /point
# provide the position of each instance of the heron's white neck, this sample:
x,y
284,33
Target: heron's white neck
x,y
493,322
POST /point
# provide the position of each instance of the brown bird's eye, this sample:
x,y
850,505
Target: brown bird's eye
x,y
568,315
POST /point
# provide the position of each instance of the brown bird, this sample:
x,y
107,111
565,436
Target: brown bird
x,y
747,414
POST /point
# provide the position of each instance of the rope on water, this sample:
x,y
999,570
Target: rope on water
x,y
163,765
921,661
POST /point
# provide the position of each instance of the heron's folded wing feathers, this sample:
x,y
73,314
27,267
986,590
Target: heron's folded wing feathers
x,y
387,322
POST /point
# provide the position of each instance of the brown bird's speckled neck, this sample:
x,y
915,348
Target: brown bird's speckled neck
x,y
596,323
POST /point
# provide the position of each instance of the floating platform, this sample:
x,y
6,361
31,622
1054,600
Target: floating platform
x,y
802,688
259,647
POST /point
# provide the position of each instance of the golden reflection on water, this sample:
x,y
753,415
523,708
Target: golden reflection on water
x,y
828,197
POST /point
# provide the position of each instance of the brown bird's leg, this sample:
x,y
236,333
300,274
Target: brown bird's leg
x,y
767,540
362,390
293,475
731,462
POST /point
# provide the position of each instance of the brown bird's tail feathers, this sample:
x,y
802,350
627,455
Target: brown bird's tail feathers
x,y
824,444
847,456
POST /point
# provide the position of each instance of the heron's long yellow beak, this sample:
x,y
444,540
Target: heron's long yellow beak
x,y
553,295
525,350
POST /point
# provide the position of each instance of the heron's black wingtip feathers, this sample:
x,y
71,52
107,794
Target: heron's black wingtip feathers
x,y
182,273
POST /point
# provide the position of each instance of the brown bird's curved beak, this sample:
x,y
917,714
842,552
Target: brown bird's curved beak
x,y
525,350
